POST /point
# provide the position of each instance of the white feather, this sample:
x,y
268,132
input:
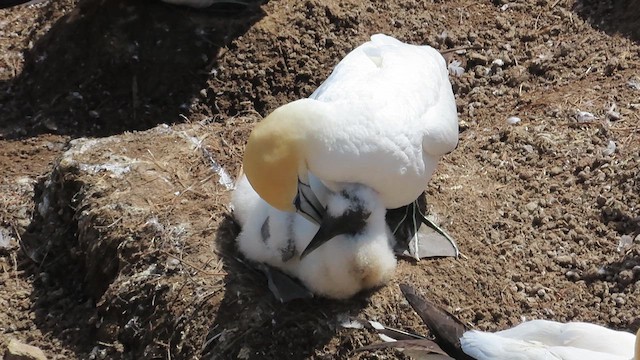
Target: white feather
x,y
543,339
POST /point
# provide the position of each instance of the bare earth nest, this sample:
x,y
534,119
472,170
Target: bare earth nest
x,y
116,239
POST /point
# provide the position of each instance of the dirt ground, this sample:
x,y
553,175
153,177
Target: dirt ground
x,y
122,246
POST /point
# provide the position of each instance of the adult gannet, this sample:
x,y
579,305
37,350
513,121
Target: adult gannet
x,y
359,257
544,339
382,119
530,340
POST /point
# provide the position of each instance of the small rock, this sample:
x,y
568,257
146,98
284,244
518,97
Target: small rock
x,y
556,170
475,58
613,115
564,260
20,351
610,149
572,275
244,353
584,116
532,206
624,243
634,83
5,240
625,277
513,120
50,124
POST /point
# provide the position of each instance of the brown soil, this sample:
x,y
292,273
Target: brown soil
x,y
141,264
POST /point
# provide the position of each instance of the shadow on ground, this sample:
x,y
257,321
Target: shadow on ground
x,y
111,66
250,323
612,16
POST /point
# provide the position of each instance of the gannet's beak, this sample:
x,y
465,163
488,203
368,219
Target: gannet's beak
x,y
350,222
307,204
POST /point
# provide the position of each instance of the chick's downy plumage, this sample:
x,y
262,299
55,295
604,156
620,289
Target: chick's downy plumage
x,y
347,264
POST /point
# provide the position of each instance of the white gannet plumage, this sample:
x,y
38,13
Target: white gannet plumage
x,y
530,340
544,339
341,268
383,118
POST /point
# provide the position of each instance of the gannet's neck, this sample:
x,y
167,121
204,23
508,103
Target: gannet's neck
x,y
276,152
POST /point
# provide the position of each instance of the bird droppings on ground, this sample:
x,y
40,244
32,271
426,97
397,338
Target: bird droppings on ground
x,y
538,209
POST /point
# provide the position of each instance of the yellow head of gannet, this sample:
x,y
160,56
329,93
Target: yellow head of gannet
x,y
275,158
275,165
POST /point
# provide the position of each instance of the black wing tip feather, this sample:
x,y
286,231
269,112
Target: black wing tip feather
x,y
445,327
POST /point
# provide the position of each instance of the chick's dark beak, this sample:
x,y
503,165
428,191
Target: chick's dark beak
x,y
350,223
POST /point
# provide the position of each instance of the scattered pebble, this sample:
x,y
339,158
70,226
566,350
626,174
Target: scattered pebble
x,y
244,353
532,206
612,114
564,260
610,149
513,120
572,275
625,277
619,301
584,116
5,240
75,96
477,58
556,170
624,243
17,350
50,125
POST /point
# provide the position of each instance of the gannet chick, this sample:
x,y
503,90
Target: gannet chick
x,y
360,256
383,119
